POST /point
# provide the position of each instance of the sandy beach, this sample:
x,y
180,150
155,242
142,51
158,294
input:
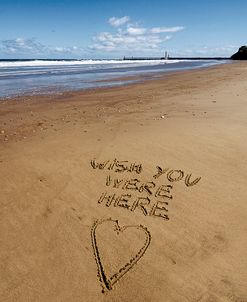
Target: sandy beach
x,y
135,193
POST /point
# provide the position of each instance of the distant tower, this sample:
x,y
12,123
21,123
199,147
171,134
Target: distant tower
x,y
166,55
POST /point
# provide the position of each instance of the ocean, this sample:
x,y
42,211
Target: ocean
x,y
32,77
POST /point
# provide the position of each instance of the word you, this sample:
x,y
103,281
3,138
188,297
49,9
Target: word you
x,y
176,175
108,280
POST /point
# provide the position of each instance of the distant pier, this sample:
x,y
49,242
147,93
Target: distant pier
x,y
142,58
174,58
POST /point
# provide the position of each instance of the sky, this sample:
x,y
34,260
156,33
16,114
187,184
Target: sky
x,y
107,29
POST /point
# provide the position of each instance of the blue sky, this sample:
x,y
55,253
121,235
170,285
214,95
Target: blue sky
x,y
112,29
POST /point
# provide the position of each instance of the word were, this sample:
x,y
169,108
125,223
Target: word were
x,y
136,185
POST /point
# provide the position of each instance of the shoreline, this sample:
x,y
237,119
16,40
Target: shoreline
x,y
140,79
128,79
138,190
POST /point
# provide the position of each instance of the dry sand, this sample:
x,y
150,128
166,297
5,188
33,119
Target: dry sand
x,y
172,233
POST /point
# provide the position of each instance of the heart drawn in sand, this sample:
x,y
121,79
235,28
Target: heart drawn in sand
x,y
107,235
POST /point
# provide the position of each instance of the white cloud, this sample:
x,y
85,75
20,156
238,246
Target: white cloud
x,y
158,30
21,46
136,30
68,50
124,42
115,22
129,36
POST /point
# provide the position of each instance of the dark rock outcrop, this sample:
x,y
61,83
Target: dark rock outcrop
x,y
241,54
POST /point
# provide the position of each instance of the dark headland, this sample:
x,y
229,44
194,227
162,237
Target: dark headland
x,y
241,54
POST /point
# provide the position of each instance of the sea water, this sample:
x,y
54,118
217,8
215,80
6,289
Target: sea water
x,y
30,77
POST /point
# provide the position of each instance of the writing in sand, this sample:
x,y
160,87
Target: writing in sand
x,y
134,194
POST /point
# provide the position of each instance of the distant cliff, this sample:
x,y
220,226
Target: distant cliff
x,y
241,54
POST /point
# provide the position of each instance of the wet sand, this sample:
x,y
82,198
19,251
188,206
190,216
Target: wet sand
x,y
135,193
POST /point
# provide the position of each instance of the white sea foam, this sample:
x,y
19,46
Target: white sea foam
x,y
36,63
